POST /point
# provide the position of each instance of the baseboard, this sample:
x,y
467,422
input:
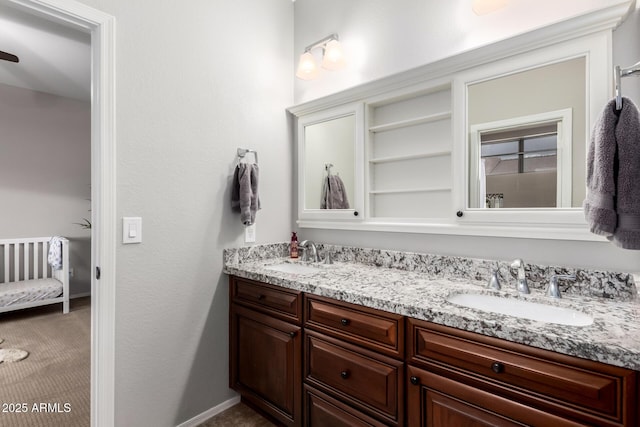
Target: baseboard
x,y
80,295
200,418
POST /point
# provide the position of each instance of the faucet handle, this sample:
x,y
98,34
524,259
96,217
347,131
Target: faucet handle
x,y
327,258
494,281
553,290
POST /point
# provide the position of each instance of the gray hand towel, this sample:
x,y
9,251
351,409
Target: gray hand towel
x,y
612,207
244,192
334,194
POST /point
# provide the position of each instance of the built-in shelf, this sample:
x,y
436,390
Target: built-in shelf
x,y
409,190
411,122
409,157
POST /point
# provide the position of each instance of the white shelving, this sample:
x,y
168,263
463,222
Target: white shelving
x,y
409,157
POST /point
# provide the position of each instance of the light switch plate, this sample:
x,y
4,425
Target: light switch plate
x,y
131,229
250,233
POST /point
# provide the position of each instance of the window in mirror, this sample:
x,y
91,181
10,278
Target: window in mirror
x,y
516,163
520,113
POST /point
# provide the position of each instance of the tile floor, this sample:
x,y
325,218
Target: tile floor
x,y
239,415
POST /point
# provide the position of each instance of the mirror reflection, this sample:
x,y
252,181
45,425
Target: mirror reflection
x,y
329,149
527,138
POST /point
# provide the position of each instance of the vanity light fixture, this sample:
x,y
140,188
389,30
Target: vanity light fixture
x,y
332,57
482,7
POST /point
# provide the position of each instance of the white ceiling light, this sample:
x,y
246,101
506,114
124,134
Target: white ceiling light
x,y
332,58
482,7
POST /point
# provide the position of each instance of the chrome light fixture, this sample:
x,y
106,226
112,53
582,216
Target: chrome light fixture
x,y
332,57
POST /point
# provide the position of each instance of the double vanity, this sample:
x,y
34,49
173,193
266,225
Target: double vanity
x,y
393,338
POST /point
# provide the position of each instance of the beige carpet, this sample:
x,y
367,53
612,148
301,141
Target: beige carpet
x,y
50,387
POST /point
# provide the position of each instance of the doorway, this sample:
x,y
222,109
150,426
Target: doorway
x,y
101,26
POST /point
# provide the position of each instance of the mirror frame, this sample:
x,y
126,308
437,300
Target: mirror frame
x,y
355,213
564,223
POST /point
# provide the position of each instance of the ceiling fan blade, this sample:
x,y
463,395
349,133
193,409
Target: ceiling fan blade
x,y
8,57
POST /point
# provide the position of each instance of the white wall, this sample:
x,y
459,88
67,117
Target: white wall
x,y
45,172
194,82
383,38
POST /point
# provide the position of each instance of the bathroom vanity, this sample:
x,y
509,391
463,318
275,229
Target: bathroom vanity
x,y
373,341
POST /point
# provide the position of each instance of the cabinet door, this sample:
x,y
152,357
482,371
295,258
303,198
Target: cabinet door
x,y
265,363
435,401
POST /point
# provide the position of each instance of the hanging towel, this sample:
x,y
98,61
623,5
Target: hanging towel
x,y
244,192
334,195
55,253
612,206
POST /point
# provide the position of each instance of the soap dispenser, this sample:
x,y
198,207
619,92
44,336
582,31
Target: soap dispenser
x,y
293,247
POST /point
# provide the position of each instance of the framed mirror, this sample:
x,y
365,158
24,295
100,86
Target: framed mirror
x,y
523,134
330,158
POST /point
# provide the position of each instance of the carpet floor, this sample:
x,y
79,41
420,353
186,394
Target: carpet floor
x,y
51,387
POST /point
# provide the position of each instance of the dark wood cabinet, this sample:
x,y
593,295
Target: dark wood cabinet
x,y
307,360
533,381
355,355
265,360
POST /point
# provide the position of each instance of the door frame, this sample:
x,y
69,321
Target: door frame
x,y
101,26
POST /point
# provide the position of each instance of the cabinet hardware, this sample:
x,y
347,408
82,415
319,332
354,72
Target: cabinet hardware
x,y
497,367
459,214
292,334
260,297
414,380
345,322
344,374
355,213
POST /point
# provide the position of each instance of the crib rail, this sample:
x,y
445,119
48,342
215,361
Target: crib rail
x,y
26,259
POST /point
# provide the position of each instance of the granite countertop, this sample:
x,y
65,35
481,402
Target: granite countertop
x,y
613,338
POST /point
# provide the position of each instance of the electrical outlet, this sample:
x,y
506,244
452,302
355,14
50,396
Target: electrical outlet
x,y
250,233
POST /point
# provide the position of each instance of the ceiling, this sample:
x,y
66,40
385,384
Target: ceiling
x,y
54,58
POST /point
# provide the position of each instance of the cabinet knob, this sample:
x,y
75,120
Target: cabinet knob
x,y
292,334
344,375
459,214
497,367
345,322
355,213
260,297
414,380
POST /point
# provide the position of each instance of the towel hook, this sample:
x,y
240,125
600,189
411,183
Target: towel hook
x,y
618,73
327,167
244,151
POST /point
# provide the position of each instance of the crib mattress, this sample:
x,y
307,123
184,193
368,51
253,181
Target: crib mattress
x,y
14,293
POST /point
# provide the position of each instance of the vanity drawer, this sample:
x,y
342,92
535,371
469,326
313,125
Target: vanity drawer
x,y
280,302
370,382
533,375
323,410
374,329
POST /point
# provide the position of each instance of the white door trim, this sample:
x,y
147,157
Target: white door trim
x,y
103,191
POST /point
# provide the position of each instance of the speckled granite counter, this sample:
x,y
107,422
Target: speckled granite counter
x,y
417,285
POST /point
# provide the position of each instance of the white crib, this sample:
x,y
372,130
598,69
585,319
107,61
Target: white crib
x,y
27,280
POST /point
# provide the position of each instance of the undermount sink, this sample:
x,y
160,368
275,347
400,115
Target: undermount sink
x,y
523,309
293,268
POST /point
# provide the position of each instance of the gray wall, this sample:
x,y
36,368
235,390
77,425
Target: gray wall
x,y
45,172
195,80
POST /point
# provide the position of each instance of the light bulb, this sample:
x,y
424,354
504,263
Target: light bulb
x,y
333,58
307,68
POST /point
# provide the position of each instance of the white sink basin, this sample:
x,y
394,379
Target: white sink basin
x,y
293,268
523,309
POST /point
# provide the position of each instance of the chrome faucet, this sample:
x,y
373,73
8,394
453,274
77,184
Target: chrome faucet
x,y
521,283
553,290
307,245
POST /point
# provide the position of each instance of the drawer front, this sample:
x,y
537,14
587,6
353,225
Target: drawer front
x,y
370,382
321,410
278,301
530,375
373,329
